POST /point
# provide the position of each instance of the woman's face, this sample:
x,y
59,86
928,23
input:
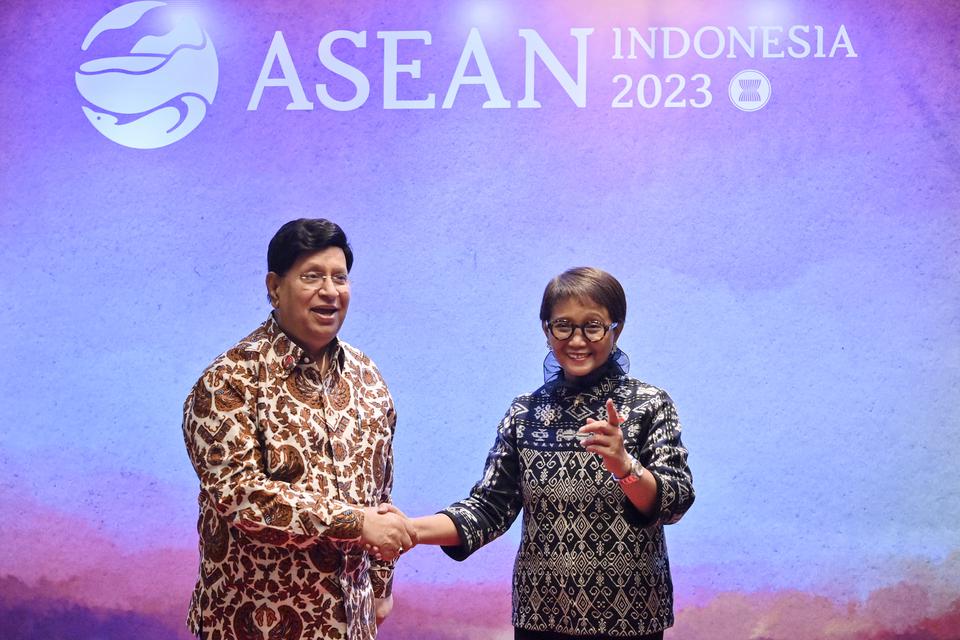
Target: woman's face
x,y
311,314
576,355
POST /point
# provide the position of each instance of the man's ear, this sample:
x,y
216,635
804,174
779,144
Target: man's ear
x,y
272,282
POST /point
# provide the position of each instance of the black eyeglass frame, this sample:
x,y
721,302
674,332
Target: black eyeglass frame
x,y
551,326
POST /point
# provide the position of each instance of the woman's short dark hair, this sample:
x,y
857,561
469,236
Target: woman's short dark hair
x,y
305,235
586,283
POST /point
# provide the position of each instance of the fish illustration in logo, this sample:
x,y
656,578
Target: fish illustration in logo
x,y
157,92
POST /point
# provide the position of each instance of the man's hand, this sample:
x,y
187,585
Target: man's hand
x,y
387,508
385,532
383,607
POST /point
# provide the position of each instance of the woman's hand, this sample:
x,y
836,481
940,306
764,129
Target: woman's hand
x,y
606,440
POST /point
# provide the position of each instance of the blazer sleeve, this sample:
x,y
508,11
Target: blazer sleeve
x,y
495,500
381,571
663,455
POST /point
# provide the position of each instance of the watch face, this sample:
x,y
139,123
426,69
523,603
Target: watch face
x,y
635,472
633,475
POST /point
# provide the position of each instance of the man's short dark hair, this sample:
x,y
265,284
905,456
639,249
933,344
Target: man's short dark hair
x,y
302,236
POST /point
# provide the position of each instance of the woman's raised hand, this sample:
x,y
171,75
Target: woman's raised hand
x,y
606,440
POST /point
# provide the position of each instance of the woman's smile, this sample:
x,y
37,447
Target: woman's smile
x,y
577,355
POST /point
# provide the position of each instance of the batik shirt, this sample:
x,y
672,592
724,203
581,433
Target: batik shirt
x,y
590,563
287,459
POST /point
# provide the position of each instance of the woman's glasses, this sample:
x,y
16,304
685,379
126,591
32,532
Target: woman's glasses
x,y
593,331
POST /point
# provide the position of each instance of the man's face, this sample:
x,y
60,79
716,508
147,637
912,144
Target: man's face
x,y
311,314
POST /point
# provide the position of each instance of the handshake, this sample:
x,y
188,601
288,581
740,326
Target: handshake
x,y
387,532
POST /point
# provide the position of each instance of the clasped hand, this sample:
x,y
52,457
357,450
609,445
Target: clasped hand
x,y
606,440
387,532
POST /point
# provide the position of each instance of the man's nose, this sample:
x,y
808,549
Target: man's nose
x,y
327,287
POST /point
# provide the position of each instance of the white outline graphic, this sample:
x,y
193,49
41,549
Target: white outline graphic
x,y
156,93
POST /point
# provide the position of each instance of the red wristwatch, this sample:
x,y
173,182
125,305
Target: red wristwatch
x,y
633,475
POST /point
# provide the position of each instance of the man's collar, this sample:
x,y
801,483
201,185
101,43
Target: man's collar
x,y
283,354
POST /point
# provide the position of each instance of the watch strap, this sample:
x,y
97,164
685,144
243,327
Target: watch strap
x,y
633,475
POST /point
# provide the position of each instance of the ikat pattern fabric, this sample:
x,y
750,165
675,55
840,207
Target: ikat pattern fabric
x,y
287,459
589,562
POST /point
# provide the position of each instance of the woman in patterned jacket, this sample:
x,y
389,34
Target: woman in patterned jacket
x,y
594,460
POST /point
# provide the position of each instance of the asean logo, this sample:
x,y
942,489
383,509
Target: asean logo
x,y
157,90
749,90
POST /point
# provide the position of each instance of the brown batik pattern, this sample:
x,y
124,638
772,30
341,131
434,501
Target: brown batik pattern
x,y
287,459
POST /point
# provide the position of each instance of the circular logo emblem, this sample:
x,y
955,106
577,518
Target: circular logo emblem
x,y
749,90
159,77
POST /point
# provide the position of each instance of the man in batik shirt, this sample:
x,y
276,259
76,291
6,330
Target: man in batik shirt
x,y
290,432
